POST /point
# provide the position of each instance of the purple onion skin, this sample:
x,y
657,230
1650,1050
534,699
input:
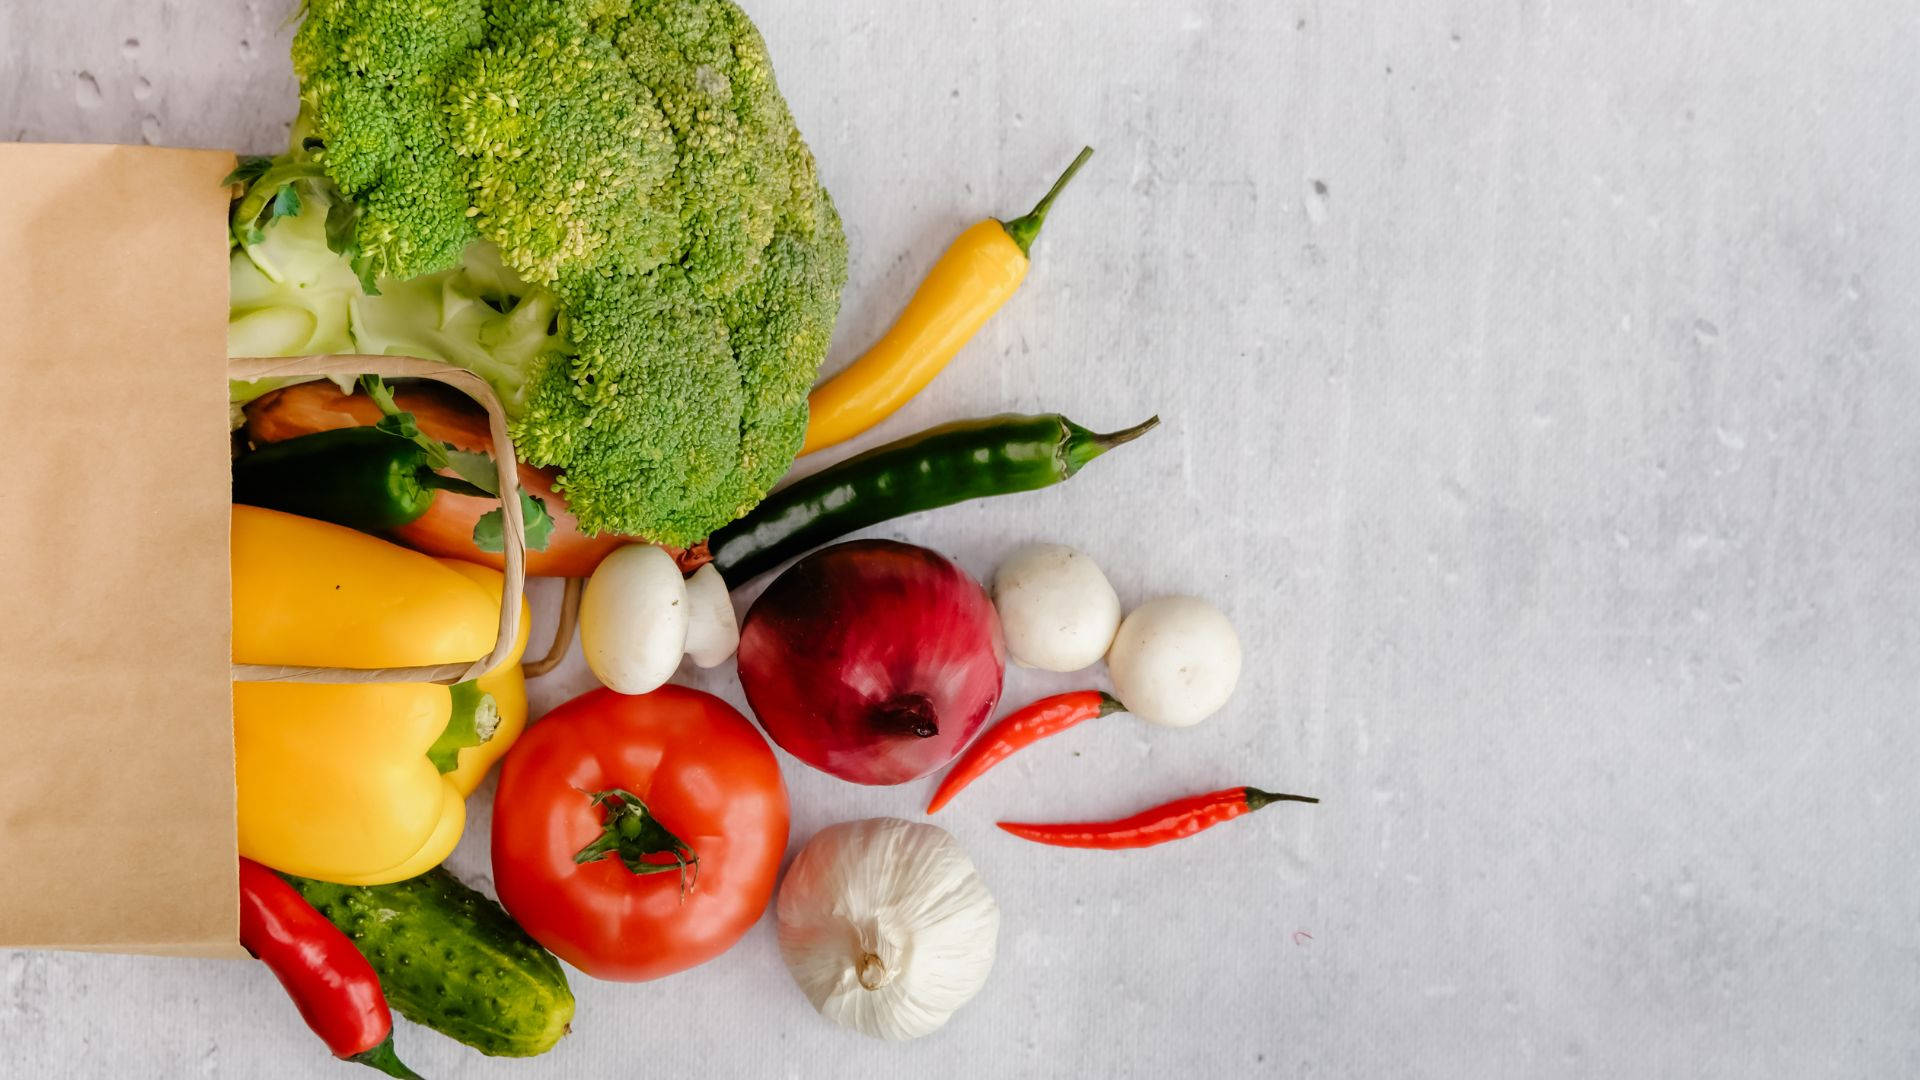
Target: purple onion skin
x,y
873,660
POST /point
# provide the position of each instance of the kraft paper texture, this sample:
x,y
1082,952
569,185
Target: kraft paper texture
x,y
116,732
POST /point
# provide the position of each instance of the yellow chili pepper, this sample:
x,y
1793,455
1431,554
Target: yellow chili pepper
x,y
979,272
334,780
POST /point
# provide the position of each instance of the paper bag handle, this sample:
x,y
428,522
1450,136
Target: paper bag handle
x,y
506,468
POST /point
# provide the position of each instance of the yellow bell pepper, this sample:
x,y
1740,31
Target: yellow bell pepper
x,y
979,272
334,780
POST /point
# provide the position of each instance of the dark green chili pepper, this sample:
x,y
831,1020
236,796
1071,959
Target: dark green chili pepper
x,y
967,459
362,477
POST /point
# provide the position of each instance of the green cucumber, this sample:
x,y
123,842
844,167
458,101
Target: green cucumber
x,y
453,960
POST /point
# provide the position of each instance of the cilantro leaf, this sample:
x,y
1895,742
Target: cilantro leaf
x,y
251,167
490,532
401,424
475,468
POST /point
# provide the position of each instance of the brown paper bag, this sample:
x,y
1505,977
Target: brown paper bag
x,y
116,741
116,732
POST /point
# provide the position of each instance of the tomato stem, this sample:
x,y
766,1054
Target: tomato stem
x,y
631,832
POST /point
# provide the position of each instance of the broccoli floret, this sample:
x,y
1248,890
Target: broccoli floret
x,y
600,206
372,73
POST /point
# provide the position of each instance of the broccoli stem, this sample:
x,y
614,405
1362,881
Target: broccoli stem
x,y
1023,229
269,184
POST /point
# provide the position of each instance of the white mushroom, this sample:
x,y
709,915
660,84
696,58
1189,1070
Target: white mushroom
x,y
1056,608
1175,661
713,633
633,619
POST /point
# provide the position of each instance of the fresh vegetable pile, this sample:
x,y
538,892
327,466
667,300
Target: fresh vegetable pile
x,y
601,206
603,209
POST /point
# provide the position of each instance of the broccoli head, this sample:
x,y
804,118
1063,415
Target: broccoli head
x,y
601,206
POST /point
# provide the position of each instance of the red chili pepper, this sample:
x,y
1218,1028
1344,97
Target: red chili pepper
x,y
1177,819
333,986
1021,729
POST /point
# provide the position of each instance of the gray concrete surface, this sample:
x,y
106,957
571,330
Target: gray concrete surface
x,y
1540,385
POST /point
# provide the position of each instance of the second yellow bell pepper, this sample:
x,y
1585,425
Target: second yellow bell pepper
x,y
334,780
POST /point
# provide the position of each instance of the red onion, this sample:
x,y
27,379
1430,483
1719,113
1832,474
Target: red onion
x,y
872,660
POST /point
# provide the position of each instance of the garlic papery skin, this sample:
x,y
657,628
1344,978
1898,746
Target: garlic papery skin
x,y
887,926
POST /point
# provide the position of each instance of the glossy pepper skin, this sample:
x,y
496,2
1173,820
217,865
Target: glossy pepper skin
x,y
1022,728
967,459
333,780
359,477
1172,821
332,985
978,273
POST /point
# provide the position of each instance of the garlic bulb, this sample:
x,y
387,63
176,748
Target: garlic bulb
x,y
886,926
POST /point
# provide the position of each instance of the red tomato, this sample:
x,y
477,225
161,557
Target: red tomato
x,y
708,794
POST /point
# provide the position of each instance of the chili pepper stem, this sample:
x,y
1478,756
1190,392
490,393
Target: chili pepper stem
x,y
1257,798
1025,228
1082,446
383,1058
1126,435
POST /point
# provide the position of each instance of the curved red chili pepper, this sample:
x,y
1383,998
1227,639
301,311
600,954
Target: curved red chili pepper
x,y
331,984
1022,728
1172,821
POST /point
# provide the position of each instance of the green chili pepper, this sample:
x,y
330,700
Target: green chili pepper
x,y
361,477
967,459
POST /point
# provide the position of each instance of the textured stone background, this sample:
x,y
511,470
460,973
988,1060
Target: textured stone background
x,y
1540,389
